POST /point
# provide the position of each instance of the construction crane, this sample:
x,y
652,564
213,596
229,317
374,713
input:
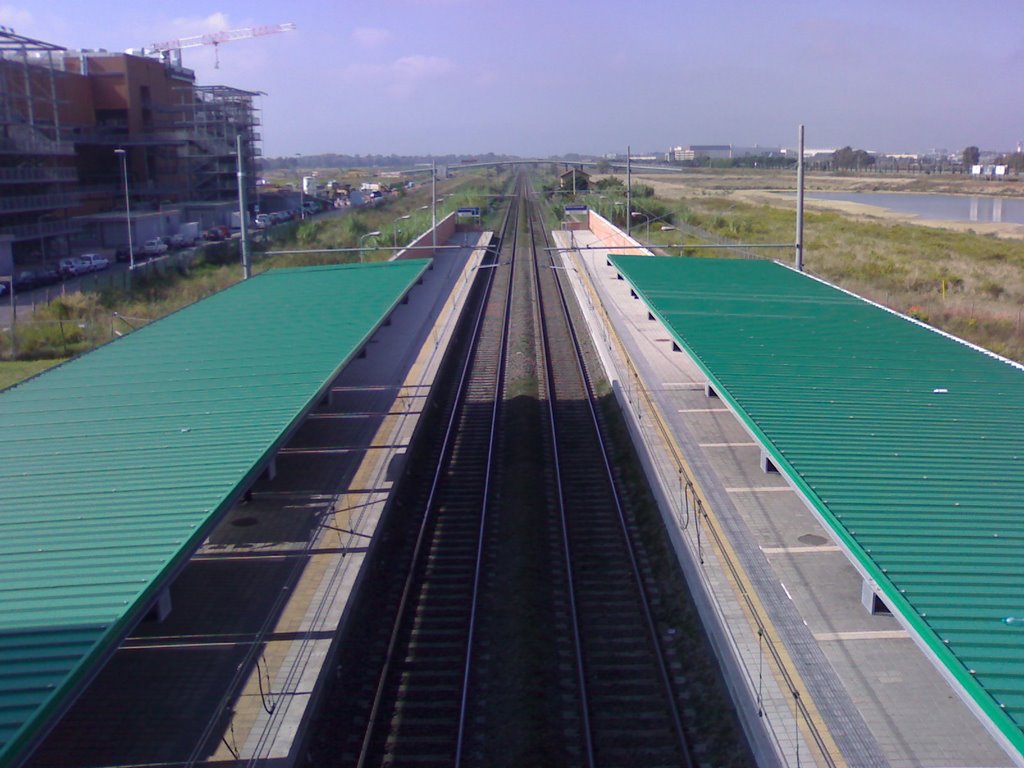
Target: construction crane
x,y
171,50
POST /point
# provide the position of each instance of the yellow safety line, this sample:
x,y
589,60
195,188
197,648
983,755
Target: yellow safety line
x,y
757,616
248,708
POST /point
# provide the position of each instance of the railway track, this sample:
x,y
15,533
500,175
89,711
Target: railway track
x,y
512,622
631,716
418,711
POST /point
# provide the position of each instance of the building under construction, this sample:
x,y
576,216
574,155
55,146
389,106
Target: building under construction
x,y
63,116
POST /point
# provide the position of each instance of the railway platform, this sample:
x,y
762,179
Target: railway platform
x,y
818,678
229,676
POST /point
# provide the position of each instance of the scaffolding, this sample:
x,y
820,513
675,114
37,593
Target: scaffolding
x,y
63,116
220,114
38,176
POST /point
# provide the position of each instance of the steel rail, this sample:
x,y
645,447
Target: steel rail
x,y
663,669
421,536
588,739
499,383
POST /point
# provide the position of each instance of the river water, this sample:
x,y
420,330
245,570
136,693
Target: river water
x,y
938,207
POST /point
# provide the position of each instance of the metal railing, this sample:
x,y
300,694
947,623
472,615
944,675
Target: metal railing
x,y
37,174
39,202
770,662
41,229
713,239
36,145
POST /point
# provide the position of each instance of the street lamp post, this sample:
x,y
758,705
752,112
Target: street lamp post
x,y
123,154
647,223
648,220
433,206
398,229
375,233
433,218
243,206
629,189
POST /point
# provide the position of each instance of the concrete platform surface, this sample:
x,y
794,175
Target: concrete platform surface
x,y
867,695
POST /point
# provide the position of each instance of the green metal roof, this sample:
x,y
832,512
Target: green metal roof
x,y
908,442
114,466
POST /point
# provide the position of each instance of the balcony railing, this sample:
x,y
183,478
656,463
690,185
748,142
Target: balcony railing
x,y
31,175
41,229
39,202
30,140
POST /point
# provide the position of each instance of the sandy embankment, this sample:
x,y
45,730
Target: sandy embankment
x,y
863,211
779,190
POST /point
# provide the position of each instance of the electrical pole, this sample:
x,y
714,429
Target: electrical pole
x,y
800,201
123,155
629,190
14,318
433,203
243,215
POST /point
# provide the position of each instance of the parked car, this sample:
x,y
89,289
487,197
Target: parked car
x,y
154,247
72,266
95,262
47,276
180,241
26,280
262,220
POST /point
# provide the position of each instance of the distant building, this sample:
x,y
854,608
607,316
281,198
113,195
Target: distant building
x,y
991,171
756,151
574,178
64,113
700,152
810,153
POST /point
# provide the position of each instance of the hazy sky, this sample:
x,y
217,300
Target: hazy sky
x,y
535,77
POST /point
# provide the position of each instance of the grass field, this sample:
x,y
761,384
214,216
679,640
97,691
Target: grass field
x,y
13,372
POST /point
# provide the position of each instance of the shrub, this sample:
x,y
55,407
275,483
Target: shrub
x,y
992,288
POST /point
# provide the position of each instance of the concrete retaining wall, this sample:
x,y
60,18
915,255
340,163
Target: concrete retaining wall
x,y
612,237
445,229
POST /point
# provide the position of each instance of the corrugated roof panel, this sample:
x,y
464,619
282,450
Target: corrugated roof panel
x,y
908,442
114,466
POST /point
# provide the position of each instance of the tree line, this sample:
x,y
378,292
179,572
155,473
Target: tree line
x,y
337,160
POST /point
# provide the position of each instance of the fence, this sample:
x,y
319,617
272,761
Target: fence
x,y
713,239
23,335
